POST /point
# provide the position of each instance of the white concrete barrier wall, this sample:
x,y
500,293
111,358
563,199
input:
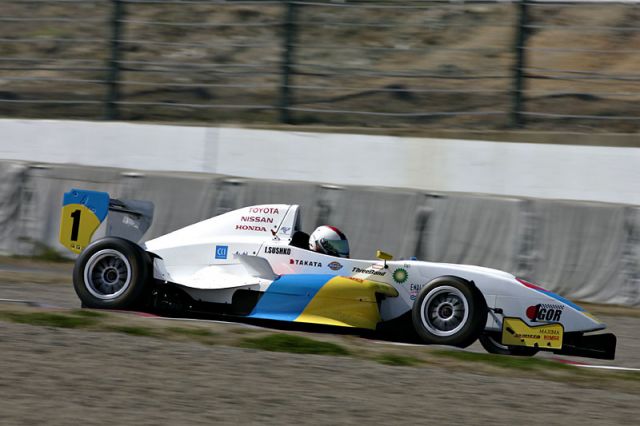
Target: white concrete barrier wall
x,y
571,172
583,250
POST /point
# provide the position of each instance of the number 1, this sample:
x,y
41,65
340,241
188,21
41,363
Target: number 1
x,y
76,225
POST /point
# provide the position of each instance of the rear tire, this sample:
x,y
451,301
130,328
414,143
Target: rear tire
x,y
111,273
449,311
490,341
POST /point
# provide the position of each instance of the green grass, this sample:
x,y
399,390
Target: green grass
x,y
504,361
398,360
200,335
196,333
50,319
133,330
244,330
88,314
293,344
191,332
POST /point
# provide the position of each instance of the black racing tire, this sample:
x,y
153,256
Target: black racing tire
x,y
111,273
449,311
490,341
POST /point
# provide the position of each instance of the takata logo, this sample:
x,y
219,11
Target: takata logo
x,y
545,313
305,263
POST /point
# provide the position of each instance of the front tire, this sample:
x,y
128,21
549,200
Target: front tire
x,y
111,273
449,311
491,343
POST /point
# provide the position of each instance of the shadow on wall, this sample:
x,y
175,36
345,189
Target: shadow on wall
x,y
584,250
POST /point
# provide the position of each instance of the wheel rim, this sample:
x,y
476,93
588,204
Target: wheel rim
x,y
107,274
444,311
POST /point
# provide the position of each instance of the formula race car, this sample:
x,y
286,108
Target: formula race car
x,y
255,262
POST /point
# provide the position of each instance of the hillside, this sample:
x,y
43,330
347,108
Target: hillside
x,y
432,66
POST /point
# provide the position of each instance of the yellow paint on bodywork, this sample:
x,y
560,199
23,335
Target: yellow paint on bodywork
x,y
347,302
383,256
516,332
87,223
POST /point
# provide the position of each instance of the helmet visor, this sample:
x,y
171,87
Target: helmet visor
x,y
336,247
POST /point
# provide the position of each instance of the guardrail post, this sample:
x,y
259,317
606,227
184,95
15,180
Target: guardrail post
x,y
517,118
113,78
290,29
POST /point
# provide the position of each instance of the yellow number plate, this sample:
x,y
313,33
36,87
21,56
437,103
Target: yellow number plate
x,y
82,212
77,225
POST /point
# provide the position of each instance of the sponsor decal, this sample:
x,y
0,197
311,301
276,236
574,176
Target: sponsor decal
x,y
414,289
515,332
286,230
400,275
221,252
128,221
264,210
277,250
256,219
368,271
545,312
358,280
335,266
541,334
305,263
250,228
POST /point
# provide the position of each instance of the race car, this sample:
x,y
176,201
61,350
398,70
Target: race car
x,y
256,262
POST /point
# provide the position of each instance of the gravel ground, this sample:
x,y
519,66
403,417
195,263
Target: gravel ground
x,y
62,376
59,376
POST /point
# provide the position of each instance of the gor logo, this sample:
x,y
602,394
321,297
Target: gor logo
x,y
544,313
221,252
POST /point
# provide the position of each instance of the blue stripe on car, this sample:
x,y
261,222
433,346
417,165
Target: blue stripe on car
x,y
97,202
561,299
287,296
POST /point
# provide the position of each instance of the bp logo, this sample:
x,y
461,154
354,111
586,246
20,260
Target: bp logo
x,y
400,275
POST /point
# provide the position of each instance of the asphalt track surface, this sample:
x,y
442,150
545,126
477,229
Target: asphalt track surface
x,y
62,376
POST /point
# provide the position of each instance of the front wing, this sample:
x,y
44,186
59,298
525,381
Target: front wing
x,y
515,332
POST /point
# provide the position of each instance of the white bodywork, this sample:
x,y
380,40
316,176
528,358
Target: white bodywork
x,y
248,248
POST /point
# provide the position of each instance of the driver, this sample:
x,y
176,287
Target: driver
x,y
329,240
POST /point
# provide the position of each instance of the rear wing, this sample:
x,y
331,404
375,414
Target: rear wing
x,y
83,211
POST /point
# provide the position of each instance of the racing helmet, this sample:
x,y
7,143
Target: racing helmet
x,y
329,240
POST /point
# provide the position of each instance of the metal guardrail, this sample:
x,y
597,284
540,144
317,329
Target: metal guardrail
x,y
479,64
